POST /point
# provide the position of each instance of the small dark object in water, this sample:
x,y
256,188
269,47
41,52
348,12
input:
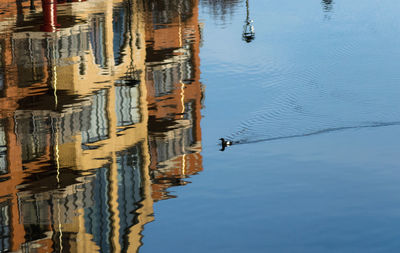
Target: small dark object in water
x,y
225,143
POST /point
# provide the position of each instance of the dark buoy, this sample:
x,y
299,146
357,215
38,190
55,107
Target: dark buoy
x,y
225,143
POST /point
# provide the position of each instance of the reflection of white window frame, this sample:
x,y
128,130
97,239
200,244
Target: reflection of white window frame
x,y
169,75
127,105
98,120
163,81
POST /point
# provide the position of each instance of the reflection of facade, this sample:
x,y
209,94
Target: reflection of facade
x,y
98,118
174,95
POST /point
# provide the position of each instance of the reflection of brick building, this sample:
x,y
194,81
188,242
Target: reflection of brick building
x,y
174,93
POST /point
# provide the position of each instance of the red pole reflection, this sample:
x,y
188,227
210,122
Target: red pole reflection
x,y
49,16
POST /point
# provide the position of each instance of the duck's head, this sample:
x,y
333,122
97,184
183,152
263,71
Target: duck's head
x,y
225,143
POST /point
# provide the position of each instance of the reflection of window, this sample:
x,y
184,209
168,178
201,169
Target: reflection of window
x,y
5,229
36,215
96,196
72,45
170,148
98,216
1,82
71,124
98,40
166,79
183,138
163,81
1,69
187,70
3,152
189,137
190,134
35,211
34,143
129,190
30,56
120,29
190,114
95,118
127,105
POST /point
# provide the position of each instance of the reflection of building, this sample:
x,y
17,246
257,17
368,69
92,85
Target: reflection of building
x,y
97,119
75,134
174,94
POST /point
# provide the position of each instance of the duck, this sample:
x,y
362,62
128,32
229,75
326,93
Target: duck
x,y
225,143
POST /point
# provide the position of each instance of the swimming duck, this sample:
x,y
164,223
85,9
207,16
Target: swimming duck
x,y
224,144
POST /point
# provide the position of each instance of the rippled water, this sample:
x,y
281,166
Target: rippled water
x,y
317,77
108,106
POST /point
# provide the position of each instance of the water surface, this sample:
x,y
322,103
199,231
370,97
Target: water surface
x,y
111,113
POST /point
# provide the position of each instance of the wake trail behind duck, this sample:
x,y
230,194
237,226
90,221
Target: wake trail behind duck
x,y
322,131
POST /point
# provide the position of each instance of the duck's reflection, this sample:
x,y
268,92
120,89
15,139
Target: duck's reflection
x,y
100,115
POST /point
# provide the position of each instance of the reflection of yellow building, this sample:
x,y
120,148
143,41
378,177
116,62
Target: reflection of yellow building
x,y
95,91
83,147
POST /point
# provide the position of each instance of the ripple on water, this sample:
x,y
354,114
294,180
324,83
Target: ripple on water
x,y
304,106
334,91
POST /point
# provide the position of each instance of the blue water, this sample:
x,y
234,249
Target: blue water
x,y
111,114
313,105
